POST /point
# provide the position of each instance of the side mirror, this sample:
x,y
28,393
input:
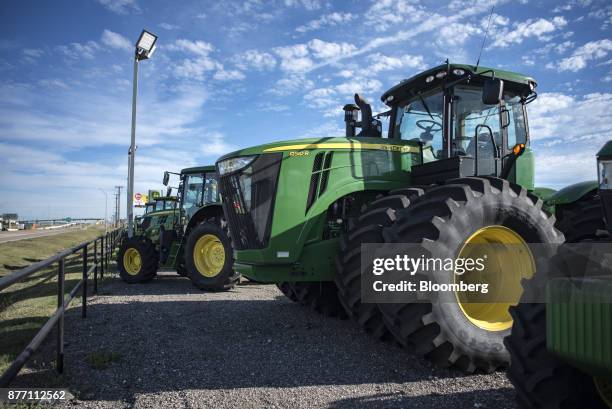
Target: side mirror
x,y
166,178
492,91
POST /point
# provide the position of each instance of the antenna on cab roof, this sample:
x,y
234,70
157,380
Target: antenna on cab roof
x,y
485,37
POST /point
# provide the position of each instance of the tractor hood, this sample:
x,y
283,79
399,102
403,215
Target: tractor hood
x,y
298,145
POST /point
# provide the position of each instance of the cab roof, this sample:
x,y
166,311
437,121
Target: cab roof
x,y
418,81
199,169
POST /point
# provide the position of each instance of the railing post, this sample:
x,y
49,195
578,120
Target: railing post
x,y
84,306
60,323
96,266
102,257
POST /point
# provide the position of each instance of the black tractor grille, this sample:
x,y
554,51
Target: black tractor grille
x,y
248,201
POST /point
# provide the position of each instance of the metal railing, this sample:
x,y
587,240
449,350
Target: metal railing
x,y
100,259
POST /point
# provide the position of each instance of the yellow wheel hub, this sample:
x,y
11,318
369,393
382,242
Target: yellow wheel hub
x,y
507,260
604,388
209,255
132,262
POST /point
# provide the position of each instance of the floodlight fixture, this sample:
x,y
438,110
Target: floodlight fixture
x,y
145,46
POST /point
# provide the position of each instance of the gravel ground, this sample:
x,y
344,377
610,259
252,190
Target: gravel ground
x,y
251,347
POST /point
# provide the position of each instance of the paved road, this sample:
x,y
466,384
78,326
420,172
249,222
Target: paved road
x,y
7,236
178,347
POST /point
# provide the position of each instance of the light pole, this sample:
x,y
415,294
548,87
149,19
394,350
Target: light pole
x,y
145,46
105,209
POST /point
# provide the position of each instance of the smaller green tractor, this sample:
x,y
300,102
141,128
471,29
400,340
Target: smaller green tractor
x,y
561,350
158,204
186,233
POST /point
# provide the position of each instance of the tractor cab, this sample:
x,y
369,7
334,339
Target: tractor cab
x,y
468,121
198,188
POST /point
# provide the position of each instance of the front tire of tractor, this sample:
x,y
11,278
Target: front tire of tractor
x,y
450,328
320,296
367,229
540,378
581,220
208,258
137,260
286,288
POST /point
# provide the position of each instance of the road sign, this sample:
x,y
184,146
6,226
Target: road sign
x,y
140,199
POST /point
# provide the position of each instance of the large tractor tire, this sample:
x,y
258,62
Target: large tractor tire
x,y
367,229
320,296
287,289
541,379
581,220
449,328
137,260
209,259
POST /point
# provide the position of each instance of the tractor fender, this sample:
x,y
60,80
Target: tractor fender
x,y
205,212
572,193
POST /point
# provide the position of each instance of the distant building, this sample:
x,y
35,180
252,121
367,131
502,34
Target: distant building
x,y
10,221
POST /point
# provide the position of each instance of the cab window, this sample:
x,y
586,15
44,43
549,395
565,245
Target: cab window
x,y
192,196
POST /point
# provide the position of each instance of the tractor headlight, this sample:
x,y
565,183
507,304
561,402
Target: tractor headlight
x,y
605,174
233,164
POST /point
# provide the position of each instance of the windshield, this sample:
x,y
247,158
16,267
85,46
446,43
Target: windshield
x,y
421,119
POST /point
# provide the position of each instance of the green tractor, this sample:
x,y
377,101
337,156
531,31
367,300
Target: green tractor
x,y
187,233
454,169
561,350
160,203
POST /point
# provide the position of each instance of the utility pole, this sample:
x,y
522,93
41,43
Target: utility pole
x,y
117,205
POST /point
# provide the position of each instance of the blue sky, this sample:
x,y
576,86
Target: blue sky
x,y
238,73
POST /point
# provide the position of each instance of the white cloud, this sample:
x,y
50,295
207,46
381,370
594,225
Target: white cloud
x,y
32,53
327,129
307,4
168,26
567,131
385,13
294,58
201,48
585,53
115,40
326,20
228,75
298,58
456,34
260,61
53,83
289,85
216,146
382,62
121,6
79,50
540,29
196,68
323,49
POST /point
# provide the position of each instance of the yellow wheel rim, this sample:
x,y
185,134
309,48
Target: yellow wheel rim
x,y
604,388
132,262
209,255
508,259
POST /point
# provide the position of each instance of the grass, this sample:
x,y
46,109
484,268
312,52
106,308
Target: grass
x,y
26,306
102,359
